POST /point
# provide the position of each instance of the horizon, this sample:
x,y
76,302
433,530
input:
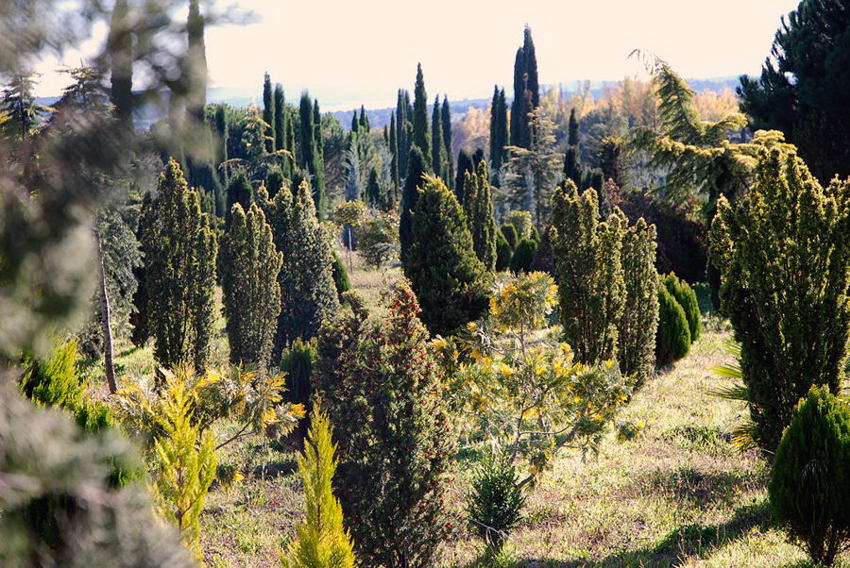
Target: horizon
x,y
340,74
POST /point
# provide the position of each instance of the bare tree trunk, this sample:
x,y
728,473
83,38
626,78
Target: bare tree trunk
x,y
108,362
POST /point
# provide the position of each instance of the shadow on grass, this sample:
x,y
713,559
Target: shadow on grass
x,y
702,488
683,542
274,469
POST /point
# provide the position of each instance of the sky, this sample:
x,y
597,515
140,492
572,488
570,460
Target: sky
x,y
350,52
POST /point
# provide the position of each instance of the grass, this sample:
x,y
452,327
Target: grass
x,y
676,494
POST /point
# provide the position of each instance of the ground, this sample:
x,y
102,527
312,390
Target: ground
x,y
678,494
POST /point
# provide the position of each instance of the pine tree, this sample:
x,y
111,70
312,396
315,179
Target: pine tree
x,y
421,135
308,292
180,252
416,168
478,207
279,114
380,386
639,319
321,541
269,113
250,266
588,264
441,263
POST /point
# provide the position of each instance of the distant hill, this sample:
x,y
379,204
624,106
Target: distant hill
x,y
379,117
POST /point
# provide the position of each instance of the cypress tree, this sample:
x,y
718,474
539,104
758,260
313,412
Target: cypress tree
x,y
373,190
639,320
274,181
413,180
308,292
687,298
503,252
673,338
309,156
250,266
394,149
441,263
269,113
446,123
526,91
478,207
588,265
196,100
511,235
523,256
355,122
279,123
572,129
320,191
572,166
438,152
421,136
180,260
364,120
465,165
498,131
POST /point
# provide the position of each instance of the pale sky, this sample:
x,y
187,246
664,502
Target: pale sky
x,y
350,52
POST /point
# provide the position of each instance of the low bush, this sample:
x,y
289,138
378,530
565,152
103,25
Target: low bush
x,y
673,339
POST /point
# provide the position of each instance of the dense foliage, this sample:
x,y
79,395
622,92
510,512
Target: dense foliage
x,y
673,339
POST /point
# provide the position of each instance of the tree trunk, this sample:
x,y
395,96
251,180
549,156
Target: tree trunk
x,y
108,363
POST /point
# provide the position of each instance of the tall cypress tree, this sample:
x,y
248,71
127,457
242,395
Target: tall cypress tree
x,y
572,130
441,264
416,168
250,266
446,122
526,91
197,92
309,157
308,292
421,136
364,120
268,113
394,148
401,120
465,165
355,123
279,123
319,159
478,207
239,191
437,150
180,259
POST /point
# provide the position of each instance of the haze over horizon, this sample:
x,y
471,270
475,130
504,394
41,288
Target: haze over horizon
x,y
348,54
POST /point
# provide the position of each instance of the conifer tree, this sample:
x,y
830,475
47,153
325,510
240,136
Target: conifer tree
x,y
465,166
364,120
180,259
572,129
239,191
373,190
269,113
498,132
478,207
639,319
441,263
526,91
274,181
308,292
446,123
250,266
416,168
588,264
380,387
394,149
321,541
309,157
438,152
120,41
319,193
404,129
196,56
421,134
279,122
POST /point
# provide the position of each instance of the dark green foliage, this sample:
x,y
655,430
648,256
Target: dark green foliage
x,y
446,123
495,503
180,259
572,129
572,165
438,150
687,298
379,384
465,166
673,339
139,316
421,134
416,168
441,264
526,92
120,43
498,132
804,86
478,208
308,291
373,190
274,181
639,320
309,153
269,116
279,122
523,256
394,151
298,364
808,488
510,234
611,161
240,191
783,252
250,266
504,251
340,274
